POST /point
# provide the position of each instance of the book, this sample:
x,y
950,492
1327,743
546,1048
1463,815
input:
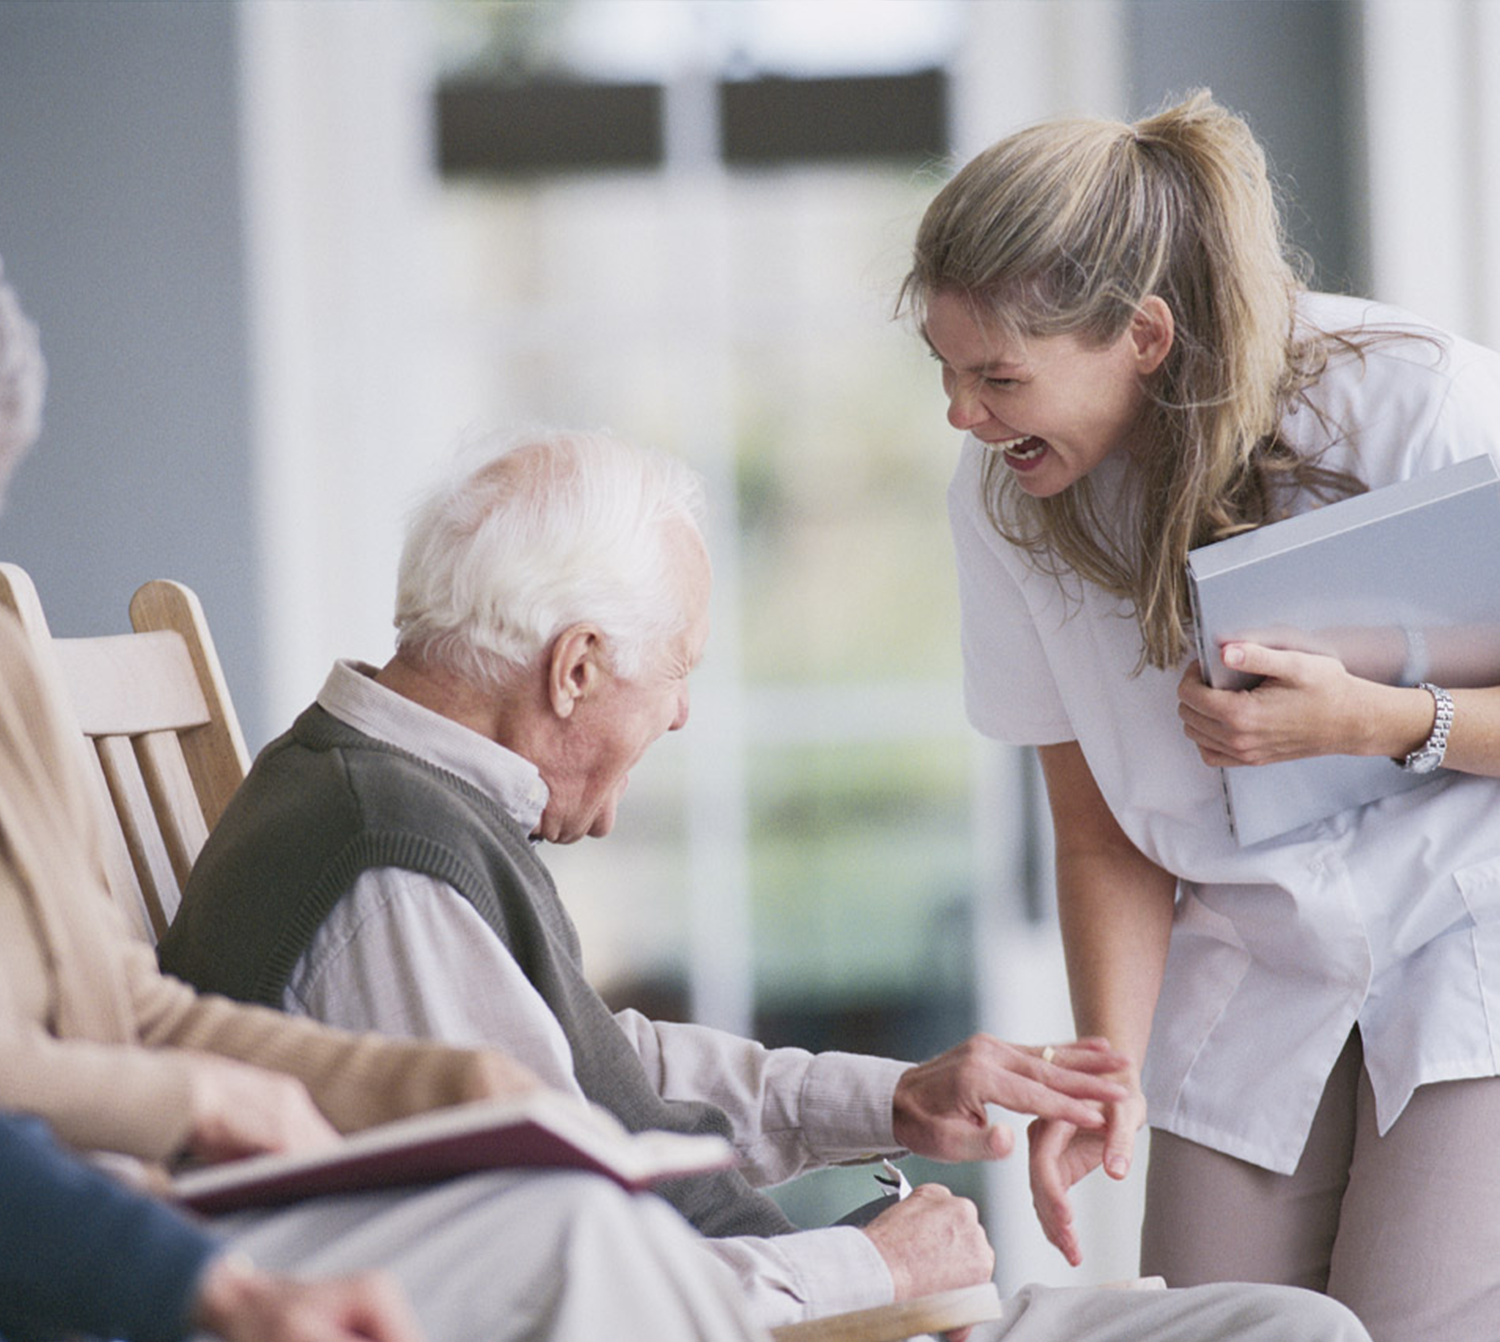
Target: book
x,y
1401,583
542,1128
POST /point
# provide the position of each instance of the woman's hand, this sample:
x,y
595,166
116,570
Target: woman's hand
x,y
236,1110
1061,1154
1307,704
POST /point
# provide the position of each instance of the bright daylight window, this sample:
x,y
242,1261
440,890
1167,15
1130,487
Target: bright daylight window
x,y
798,862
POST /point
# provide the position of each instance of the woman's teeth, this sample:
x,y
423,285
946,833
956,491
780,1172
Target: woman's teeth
x,y
1024,448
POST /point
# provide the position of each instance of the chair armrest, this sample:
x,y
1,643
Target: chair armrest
x,y
936,1313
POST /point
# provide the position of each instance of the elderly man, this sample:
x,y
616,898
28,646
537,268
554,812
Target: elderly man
x,y
117,1057
379,868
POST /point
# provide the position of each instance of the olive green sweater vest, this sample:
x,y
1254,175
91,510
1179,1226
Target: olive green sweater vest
x,y
325,802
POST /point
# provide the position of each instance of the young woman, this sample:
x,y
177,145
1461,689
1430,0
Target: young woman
x,y
1123,337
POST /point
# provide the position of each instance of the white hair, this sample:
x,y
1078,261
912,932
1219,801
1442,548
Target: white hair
x,y
554,529
23,379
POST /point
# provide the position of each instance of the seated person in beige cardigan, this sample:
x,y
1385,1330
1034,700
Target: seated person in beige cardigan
x,y
379,868
116,1057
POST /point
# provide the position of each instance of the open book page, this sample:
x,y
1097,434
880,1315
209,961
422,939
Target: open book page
x,y
540,1129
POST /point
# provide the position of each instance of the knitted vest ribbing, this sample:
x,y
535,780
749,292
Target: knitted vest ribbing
x,y
324,803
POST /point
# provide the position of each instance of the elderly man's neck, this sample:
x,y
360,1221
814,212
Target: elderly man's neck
x,y
499,715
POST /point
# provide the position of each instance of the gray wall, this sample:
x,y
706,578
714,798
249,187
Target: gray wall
x,y
120,228
1291,68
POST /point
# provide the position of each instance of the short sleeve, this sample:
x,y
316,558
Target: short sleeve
x,y
1468,423
1010,692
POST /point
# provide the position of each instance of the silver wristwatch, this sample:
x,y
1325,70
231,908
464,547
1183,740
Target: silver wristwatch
x,y
1429,755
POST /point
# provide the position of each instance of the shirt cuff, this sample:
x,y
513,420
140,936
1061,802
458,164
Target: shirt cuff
x,y
845,1107
789,1278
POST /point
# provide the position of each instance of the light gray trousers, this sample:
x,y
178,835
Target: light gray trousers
x,y
1404,1228
570,1258
489,1258
1228,1312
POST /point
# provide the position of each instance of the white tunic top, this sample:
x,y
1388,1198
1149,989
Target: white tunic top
x,y
1388,915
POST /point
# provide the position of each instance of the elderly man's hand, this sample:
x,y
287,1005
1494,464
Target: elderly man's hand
x,y
932,1241
939,1106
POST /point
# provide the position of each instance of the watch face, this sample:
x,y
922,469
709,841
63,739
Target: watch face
x,y
1424,763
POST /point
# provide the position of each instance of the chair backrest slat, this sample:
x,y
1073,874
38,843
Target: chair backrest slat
x,y
152,895
178,812
167,750
215,752
126,684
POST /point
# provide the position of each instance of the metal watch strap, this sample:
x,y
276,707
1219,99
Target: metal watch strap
x,y
1429,755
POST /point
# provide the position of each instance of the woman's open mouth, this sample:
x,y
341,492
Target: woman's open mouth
x,y
1021,452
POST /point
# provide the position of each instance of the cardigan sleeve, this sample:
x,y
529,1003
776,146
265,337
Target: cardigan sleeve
x,y
96,1095
81,1253
356,1079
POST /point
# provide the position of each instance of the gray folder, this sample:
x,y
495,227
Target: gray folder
x,y
1401,584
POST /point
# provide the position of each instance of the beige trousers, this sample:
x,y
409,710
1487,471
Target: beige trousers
x,y
1404,1229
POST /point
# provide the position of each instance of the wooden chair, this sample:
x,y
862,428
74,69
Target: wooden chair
x,y
167,751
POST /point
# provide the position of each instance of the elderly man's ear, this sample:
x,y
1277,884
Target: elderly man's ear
x,y
575,668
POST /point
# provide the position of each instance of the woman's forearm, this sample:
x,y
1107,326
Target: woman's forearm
x,y
1116,923
1114,906
1473,740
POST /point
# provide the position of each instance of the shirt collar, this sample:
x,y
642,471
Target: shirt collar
x,y
352,695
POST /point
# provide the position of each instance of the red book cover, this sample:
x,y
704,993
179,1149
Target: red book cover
x,y
542,1129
